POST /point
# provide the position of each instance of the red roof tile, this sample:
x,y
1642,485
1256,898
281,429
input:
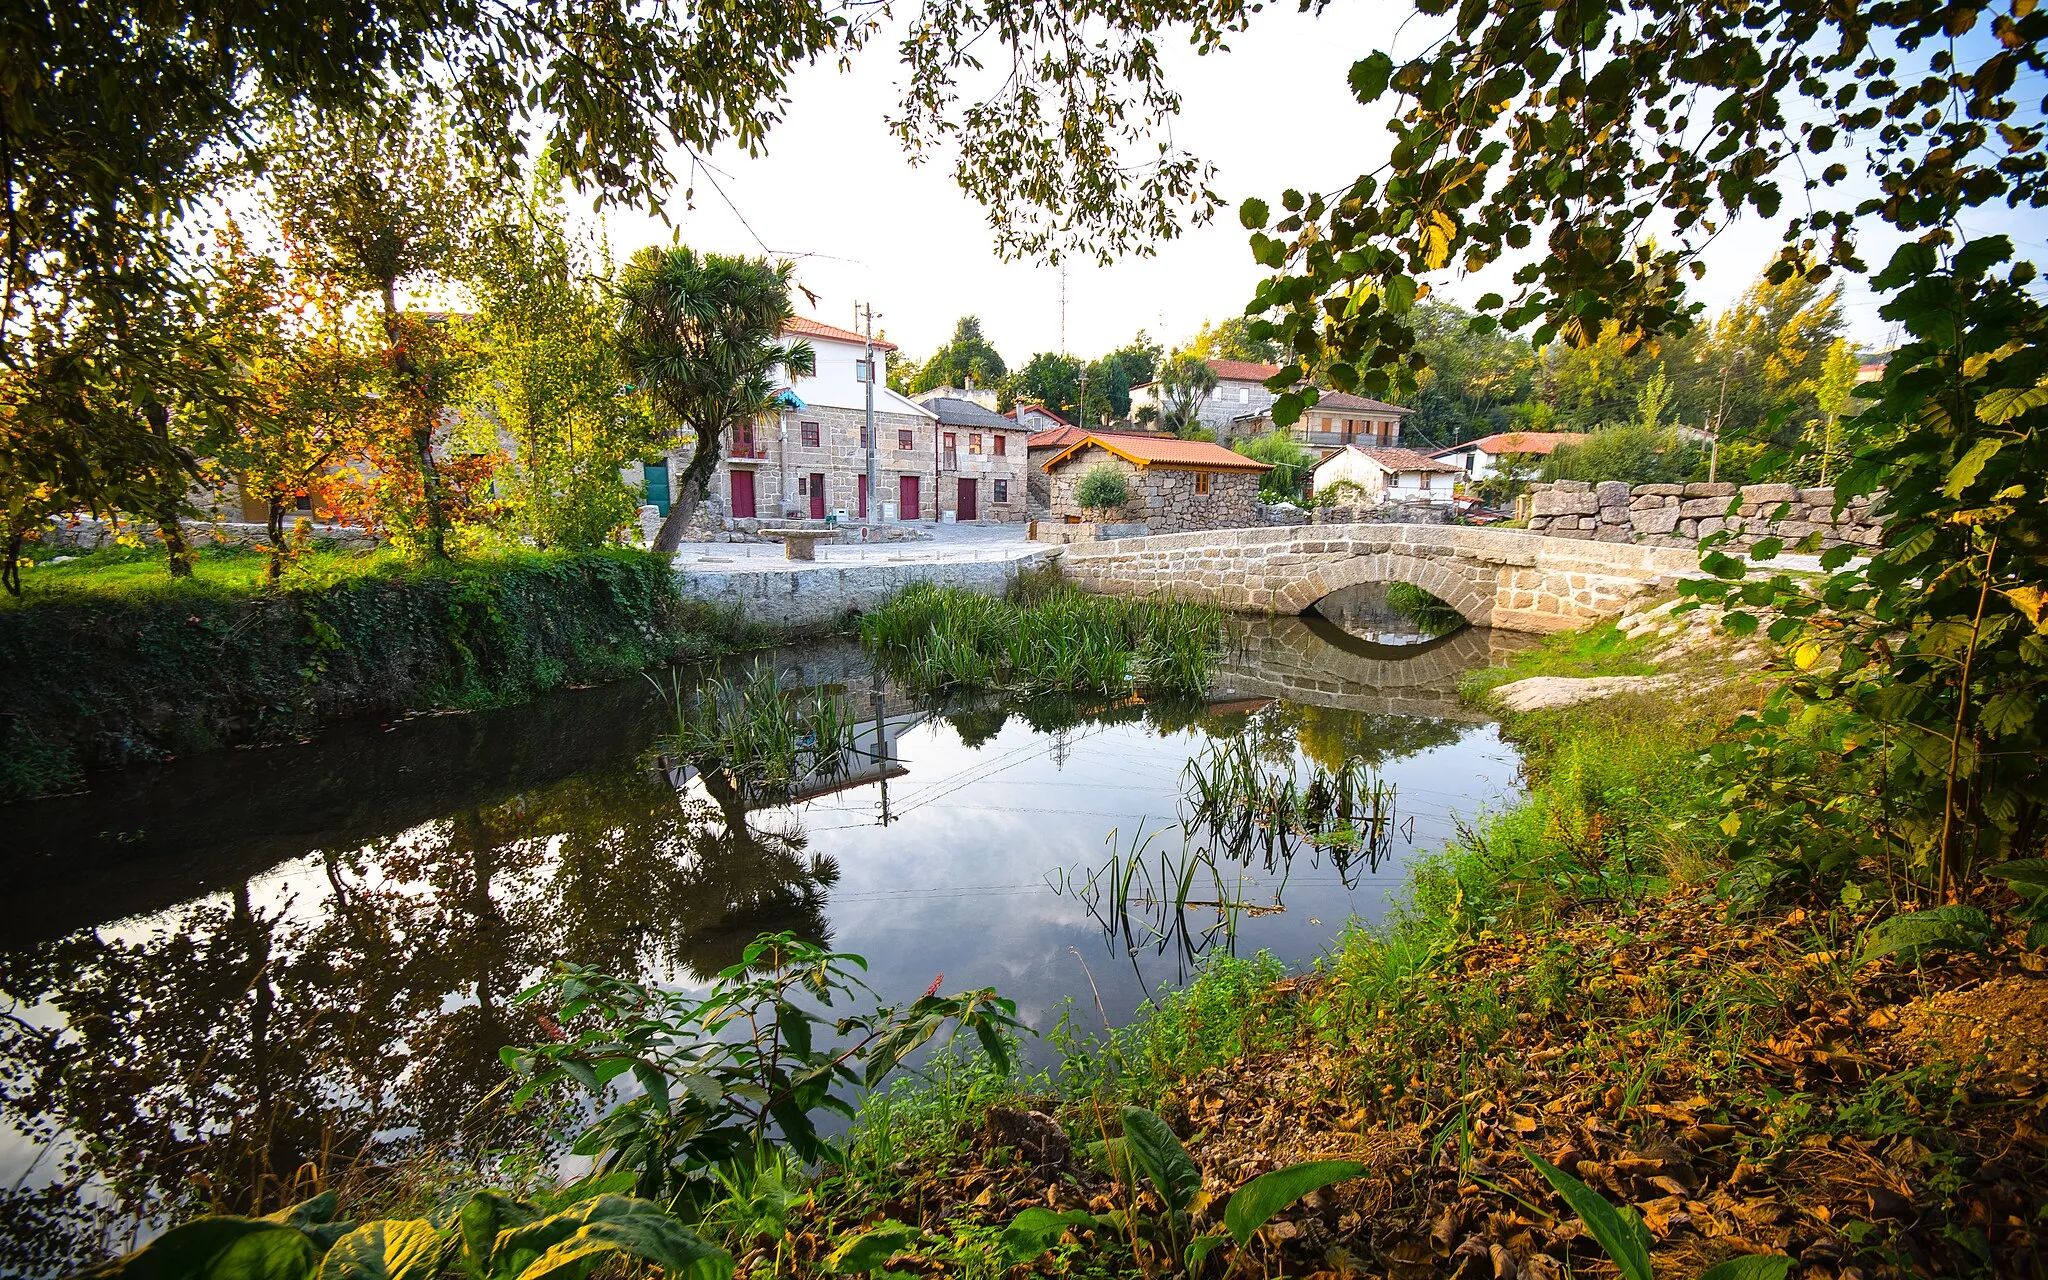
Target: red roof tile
x,y
1357,404
1243,370
1165,451
1035,407
803,327
1403,459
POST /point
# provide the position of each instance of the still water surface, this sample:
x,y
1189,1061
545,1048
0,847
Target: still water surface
x,y
218,971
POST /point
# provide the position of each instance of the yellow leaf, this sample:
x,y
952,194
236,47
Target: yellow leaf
x,y
2031,601
1731,824
1805,654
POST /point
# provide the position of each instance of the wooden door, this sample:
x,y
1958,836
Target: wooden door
x,y
861,497
817,495
906,498
742,495
969,509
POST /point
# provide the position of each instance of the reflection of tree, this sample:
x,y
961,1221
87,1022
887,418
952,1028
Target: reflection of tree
x,y
252,1035
1329,736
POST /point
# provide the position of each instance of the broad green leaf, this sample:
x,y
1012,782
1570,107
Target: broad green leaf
x,y
1753,1266
307,1213
395,1249
1166,1162
2031,601
1035,1230
2006,403
860,1254
2027,871
483,1216
517,1247
1369,75
1619,1231
218,1248
1964,473
1253,213
2009,712
1253,1205
647,1237
1113,1157
1914,932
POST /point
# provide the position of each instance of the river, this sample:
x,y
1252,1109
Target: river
x,y
221,970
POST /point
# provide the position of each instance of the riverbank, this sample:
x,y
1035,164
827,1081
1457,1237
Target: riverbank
x,y
106,664
1578,976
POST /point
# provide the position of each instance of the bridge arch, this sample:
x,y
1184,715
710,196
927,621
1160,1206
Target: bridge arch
x,y
1470,589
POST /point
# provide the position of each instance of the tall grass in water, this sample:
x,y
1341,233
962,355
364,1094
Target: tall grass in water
x,y
765,735
1051,639
1249,805
1153,897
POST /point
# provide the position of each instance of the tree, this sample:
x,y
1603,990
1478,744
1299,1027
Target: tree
x,y
1185,384
1293,465
304,379
698,336
1233,340
376,201
1104,488
968,360
1831,392
549,375
1051,380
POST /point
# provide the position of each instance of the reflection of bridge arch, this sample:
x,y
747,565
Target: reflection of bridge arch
x,y
1294,659
1455,582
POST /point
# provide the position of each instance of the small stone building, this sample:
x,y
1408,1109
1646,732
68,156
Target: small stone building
x,y
1176,485
1390,475
983,459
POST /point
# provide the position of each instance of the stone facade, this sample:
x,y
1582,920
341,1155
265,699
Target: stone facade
x,y
1164,498
1504,578
92,534
817,595
1679,515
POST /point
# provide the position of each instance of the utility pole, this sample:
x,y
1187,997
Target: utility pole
x,y
874,502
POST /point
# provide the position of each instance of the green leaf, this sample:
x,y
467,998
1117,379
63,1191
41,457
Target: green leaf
x,y
1619,1231
2006,403
1166,1162
395,1249
1253,1205
218,1248
862,1253
1113,1157
517,1247
307,1213
647,1237
1369,76
1914,932
1751,1266
1964,473
1253,213
1035,1230
2009,712
2029,871
1201,1247
483,1216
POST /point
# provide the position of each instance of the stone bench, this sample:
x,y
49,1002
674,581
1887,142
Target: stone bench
x,y
801,544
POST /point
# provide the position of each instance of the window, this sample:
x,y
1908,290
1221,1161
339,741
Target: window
x,y
810,435
974,442
863,435
1002,486
949,453
1201,482
904,440
1244,395
304,502
1002,447
803,488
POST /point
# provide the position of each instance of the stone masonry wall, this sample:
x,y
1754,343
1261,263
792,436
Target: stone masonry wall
x,y
1163,498
1679,515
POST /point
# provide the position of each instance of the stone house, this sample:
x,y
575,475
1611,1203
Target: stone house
x,y
1336,420
809,459
1390,475
983,460
1036,417
1176,485
1240,394
1480,459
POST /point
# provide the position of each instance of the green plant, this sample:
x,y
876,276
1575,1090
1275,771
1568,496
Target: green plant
x,y
724,1075
1104,488
1292,465
1620,1232
490,1236
767,737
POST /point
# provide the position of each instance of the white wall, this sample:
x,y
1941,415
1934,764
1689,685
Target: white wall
x,y
837,382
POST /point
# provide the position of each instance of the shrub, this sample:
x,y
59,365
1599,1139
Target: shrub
x,y
1291,464
1102,488
1637,454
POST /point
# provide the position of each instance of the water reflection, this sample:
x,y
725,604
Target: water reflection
x,y
228,972
1388,613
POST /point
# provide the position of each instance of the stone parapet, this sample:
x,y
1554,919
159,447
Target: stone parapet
x,y
1674,515
87,534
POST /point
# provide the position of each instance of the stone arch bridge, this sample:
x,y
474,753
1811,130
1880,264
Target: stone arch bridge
x,y
1509,579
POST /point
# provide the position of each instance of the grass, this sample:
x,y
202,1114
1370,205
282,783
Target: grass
x,y
1592,651
1051,639
767,737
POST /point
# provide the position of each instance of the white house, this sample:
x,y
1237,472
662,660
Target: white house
x,y
1479,459
1240,392
1390,475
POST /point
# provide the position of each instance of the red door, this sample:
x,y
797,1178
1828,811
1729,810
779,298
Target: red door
x,y
861,500
906,498
968,508
817,495
742,495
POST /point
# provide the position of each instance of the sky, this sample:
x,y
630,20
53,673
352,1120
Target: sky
x,y
836,193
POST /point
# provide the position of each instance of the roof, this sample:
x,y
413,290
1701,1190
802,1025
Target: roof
x,y
804,327
1232,371
1357,404
1161,451
1517,442
966,413
1402,459
1032,406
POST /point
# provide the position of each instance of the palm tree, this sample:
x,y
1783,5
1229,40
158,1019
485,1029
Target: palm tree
x,y
1185,384
698,335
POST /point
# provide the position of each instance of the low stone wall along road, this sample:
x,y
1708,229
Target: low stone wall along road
x,y
1508,579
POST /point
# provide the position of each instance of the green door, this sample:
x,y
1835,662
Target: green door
x,y
655,474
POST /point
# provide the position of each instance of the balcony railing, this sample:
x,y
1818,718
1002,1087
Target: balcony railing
x,y
1331,439
747,451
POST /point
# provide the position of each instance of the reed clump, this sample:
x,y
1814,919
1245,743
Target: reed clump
x,y
1246,803
1057,639
762,733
